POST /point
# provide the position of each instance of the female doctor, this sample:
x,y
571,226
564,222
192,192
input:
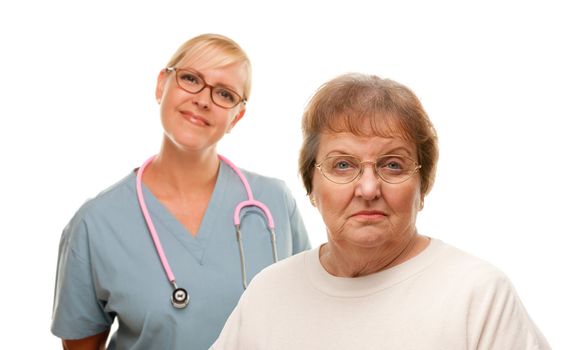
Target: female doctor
x,y
163,251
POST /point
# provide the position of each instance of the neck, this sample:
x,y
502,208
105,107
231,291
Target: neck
x,y
349,261
176,172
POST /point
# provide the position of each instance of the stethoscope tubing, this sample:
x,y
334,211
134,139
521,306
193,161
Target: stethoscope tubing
x,y
150,224
180,295
251,200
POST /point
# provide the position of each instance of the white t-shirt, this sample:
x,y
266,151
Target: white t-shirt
x,y
441,299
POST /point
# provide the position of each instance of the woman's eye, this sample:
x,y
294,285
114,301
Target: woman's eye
x,y
225,95
394,165
343,164
190,78
391,164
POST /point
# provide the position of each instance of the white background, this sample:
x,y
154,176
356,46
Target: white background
x,y
500,80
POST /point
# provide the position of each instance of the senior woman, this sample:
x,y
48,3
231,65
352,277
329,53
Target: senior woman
x,y
368,160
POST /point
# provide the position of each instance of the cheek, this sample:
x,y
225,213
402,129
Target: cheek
x,y
165,92
168,101
331,199
166,111
404,200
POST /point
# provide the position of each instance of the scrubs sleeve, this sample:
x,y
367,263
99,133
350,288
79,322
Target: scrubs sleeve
x,y
77,312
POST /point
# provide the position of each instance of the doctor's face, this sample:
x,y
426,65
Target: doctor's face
x,y
367,212
192,121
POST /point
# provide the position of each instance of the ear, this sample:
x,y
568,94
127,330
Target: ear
x,y
312,200
236,118
161,84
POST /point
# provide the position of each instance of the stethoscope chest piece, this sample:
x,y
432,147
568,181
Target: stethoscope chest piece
x,y
180,298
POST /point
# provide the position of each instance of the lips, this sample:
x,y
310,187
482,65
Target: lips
x,y
369,214
194,118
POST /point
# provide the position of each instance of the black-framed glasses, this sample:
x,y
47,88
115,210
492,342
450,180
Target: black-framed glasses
x,y
192,82
391,168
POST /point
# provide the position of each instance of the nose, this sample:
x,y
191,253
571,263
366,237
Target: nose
x,y
203,99
368,184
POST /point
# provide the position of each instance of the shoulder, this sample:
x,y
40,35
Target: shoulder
x,y
261,183
492,307
106,203
110,196
471,275
269,189
461,262
286,271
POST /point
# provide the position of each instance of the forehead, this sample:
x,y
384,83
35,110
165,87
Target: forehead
x,y
365,146
233,75
214,65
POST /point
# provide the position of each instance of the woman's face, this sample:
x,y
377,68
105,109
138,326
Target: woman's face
x,y
368,212
193,121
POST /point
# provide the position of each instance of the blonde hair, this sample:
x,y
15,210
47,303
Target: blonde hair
x,y
217,51
368,105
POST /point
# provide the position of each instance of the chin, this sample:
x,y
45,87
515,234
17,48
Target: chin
x,y
370,239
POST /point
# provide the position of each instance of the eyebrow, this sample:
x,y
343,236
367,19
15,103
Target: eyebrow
x,y
398,149
395,151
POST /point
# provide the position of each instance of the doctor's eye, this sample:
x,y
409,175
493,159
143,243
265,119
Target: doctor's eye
x,y
225,95
190,78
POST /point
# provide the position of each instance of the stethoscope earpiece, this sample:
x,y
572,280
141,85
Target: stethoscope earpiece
x,y
180,298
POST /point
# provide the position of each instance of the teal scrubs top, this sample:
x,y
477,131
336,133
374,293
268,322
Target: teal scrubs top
x,y
108,267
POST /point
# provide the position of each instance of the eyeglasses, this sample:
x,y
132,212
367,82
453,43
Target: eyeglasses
x,y
193,83
391,168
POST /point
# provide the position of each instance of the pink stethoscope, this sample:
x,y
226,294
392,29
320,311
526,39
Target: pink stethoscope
x,y
180,296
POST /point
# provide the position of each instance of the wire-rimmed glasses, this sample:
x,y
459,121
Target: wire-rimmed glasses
x,y
391,168
192,82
